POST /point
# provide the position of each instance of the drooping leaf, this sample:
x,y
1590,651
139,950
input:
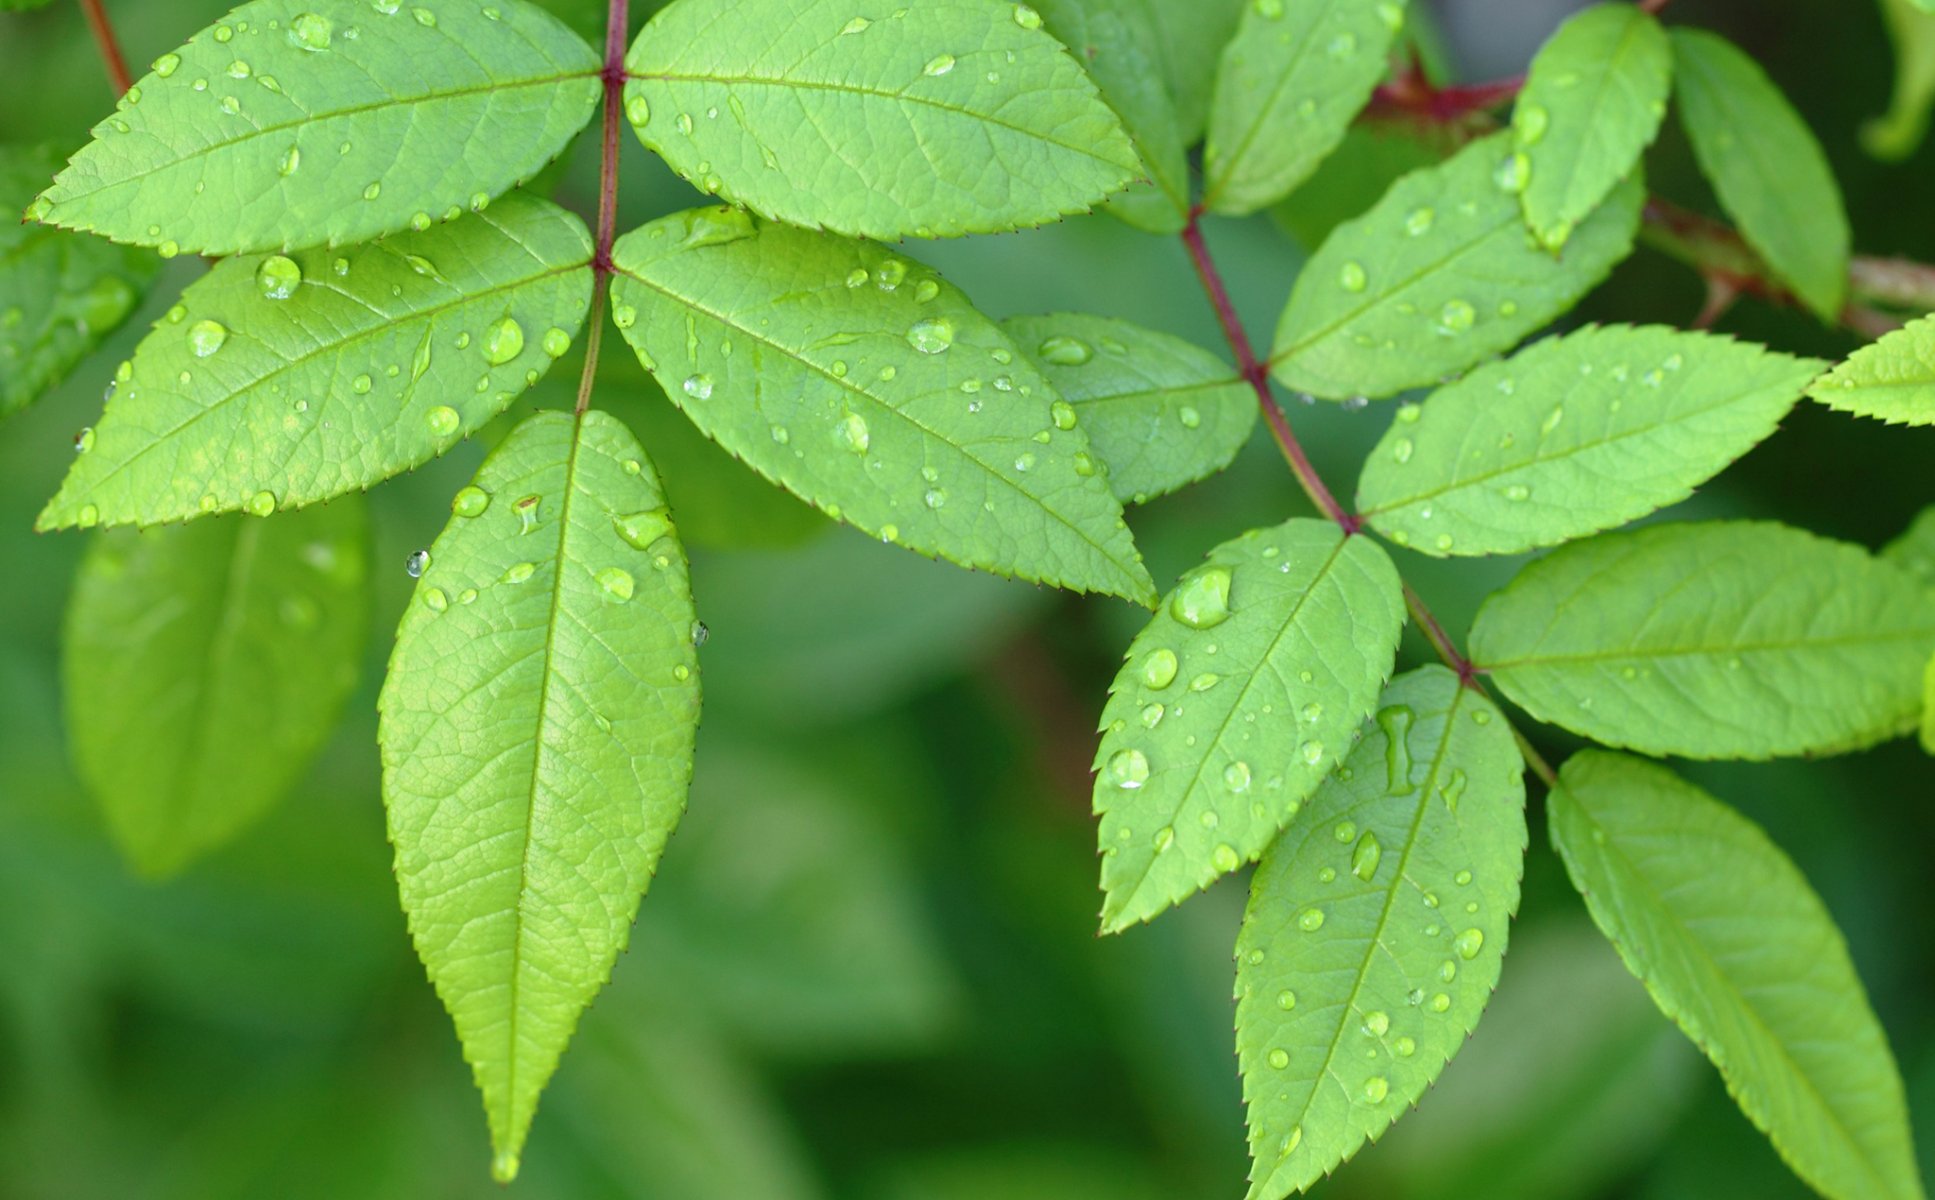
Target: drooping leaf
x,y
1159,412
873,118
1723,639
205,666
537,727
1376,928
1574,435
1440,274
864,384
1898,132
1914,550
60,294
1243,691
1892,379
1117,43
1592,101
298,123
280,381
1765,165
1365,164
1289,83
1737,949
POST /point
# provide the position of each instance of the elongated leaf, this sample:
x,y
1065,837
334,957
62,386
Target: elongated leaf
x,y
1891,380
1238,697
1593,100
1117,43
300,123
1577,434
874,118
537,728
1289,84
1914,550
1765,166
1897,133
1376,928
1724,639
1737,949
277,382
867,386
1439,275
59,294
204,668
1159,412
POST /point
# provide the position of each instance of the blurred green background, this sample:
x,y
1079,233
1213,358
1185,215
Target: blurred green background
x,y
868,968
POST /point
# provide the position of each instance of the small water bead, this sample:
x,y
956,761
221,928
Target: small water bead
x,y
1469,943
206,337
1513,173
1552,419
278,277
1236,777
1159,668
290,161
418,562
1203,599
470,501
1447,970
442,420
1129,769
1065,351
1279,1058
360,385
1453,790
1518,491
1440,1003
890,533
857,25
223,33
1377,1024
1376,1088
373,191
1025,462
1351,277
1365,857
1152,715
1027,17
503,341
1189,417
940,64
311,32
1401,450
1530,121
934,498
700,635
435,600
84,441
166,65
526,508
1312,752
1063,414
1225,858
933,335
1456,316
1310,920
851,430
617,583
238,70
890,274
1205,681
1420,221
424,17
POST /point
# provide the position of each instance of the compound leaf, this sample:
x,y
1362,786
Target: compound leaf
x,y
1737,949
873,118
60,294
1576,434
537,727
1289,84
1891,380
1240,695
322,122
867,386
1724,639
1765,165
1592,101
1440,274
1117,44
205,666
1376,928
1160,412
280,381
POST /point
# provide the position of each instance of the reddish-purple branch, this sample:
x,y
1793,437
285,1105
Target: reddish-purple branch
x,y
617,26
117,66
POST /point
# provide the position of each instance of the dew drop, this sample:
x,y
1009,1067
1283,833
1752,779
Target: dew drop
x,y
641,529
442,420
206,337
1159,668
1310,920
1351,277
637,111
1063,414
1377,1023
1401,450
1469,943
1236,777
1065,351
1365,857
617,582
503,341
1203,600
1312,752
470,501
940,64
934,335
1456,316
278,277
1420,221
1396,725
526,508
1129,769
1189,417
311,32
852,430
1376,1088
166,65
360,385
519,572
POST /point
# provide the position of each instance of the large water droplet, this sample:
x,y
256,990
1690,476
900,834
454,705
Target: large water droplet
x,y
1065,351
1128,769
1159,668
1469,943
852,430
1375,1089
470,501
617,582
1456,316
1310,920
1236,777
1027,17
1351,277
1203,600
206,337
311,32
940,64
932,335
641,529
418,562
442,420
526,508
1396,724
699,387
278,277
1377,1023
503,341
1365,857
166,65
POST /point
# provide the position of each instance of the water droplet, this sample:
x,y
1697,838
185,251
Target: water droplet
x,y
940,64
1310,920
84,441
503,341
1401,450
637,111
617,582
166,64
1419,222
1364,858
311,32
424,17
1440,1002
1396,724
360,385
1159,669
1552,419
1351,277
206,337
700,635
1454,790
1205,681
526,508
1286,1000
1203,599
1224,858
1469,943
1027,17
932,335
852,430
372,191
1189,417
1377,1023
857,25
1129,769
1312,753
1456,316
278,277
1375,1089
470,501
519,572
435,600
1236,777
1530,121
1063,414
1025,462
442,420
1152,715
1065,351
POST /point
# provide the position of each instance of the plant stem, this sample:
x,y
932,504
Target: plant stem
x,y
117,66
1258,377
617,26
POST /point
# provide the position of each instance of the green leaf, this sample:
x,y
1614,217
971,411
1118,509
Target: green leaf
x,y
1765,165
1365,164
60,294
1191,37
1376,928
322,122
1592,101
864,384
1440,274
1574,435
874,119
1914,550
205,666
1240,695
1117,43
1724,639
1891,380
1160,412
277,382
1289,84
537,727
1896,134
1737,949
1928,707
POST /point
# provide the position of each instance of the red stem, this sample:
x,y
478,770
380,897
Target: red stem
x,y
617,27
117,66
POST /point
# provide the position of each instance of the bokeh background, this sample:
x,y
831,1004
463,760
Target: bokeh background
x,y
868,968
